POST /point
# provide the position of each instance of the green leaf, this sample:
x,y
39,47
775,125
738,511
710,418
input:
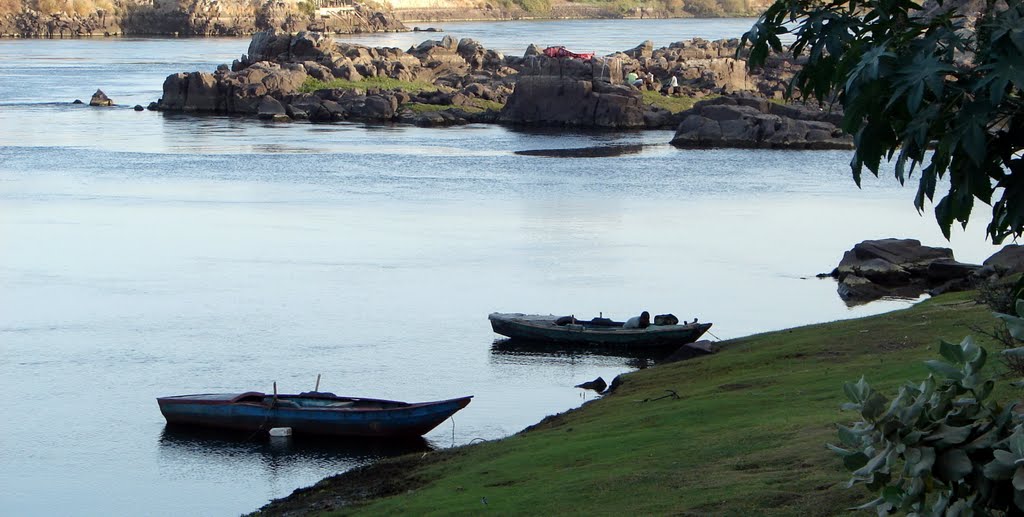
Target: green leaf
x,y
949,435
855,461
944,369
952,353
1015,325
1002,465
985,441
851,391
1018,479
873,464
874,406
850,437
953,465
924,460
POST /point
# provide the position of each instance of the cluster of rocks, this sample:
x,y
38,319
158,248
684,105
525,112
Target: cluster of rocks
x,y
751,122
267,81
904,268
472,82
34,24
196,18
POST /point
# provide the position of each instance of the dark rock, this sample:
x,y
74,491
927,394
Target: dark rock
x,y
100,99
270,108
616,383
1008,260
597,385
555,100
138,107
898,267
691,350
943,270
78,101
746,122
909,254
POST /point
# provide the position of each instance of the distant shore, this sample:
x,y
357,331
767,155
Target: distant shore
x,y
229,19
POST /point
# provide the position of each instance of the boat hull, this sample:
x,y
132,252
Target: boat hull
x,y
542,329
249,414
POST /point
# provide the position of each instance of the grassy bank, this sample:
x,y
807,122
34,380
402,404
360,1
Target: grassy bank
x,y
745,437
311,85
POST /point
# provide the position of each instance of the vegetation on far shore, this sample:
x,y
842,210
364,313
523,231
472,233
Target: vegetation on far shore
x,y
671,103
476,106
746,435
311,85
701,8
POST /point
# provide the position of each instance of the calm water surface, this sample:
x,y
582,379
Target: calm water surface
x,y
144,254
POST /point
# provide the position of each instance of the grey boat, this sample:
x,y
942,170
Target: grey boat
x,y
596,332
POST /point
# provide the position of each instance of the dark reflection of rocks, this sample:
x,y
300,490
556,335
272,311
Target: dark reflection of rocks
x,y
603,151
195,445
634,358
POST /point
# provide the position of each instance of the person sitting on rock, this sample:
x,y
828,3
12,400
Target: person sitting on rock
x,y
638,322
633,80
673,86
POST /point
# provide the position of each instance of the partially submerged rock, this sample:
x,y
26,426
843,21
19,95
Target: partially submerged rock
x,y
750,122
100,99
597,385
904,268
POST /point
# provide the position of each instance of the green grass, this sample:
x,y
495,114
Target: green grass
x,y
746,436
311,85
477,106
673,104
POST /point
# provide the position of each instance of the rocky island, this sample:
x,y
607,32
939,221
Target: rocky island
x,y
310,76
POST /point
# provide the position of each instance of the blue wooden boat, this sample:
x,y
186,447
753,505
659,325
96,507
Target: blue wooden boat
x,y
596,332
314,412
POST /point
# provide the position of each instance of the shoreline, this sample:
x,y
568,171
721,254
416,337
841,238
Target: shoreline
x,y
775,396
79,27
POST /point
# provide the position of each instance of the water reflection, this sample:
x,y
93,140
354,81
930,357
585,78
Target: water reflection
x,y
516,351
191,446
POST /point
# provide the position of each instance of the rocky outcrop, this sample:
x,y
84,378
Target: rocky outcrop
x,y
195,18
1007,261
29,23
572,92
904,268
100,99
470,83
224,91
751,122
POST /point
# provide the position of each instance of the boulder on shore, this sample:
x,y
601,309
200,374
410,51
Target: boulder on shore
x,y
902,268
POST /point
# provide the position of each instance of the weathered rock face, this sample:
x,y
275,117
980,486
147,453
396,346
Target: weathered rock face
x,y
230,92
195,18
571,92
34,24
749,122
1007,261
100,99
899,267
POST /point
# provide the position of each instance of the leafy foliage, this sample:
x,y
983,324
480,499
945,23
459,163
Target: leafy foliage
x,y
920,90
941,447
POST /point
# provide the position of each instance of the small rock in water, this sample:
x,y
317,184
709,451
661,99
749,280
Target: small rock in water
x,y
78,101
597,385
100,99
138,107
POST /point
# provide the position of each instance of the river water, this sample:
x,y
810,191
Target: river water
x,y
144,254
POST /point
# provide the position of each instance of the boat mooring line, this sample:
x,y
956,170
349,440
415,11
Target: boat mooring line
x,y
712,335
